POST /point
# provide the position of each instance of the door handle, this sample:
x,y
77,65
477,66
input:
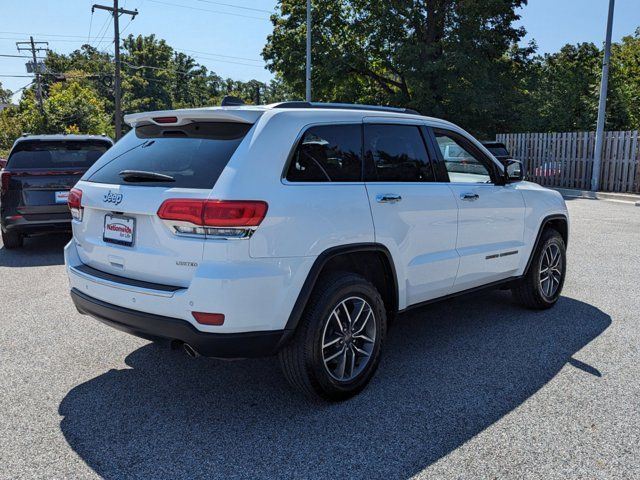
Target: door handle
x,y
388,198
469,197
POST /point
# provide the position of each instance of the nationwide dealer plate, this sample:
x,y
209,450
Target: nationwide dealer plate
x,y
62,197
119,229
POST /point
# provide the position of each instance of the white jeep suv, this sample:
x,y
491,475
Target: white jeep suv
x,y
300,229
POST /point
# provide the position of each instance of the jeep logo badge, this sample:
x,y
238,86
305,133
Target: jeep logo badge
x,y
115,198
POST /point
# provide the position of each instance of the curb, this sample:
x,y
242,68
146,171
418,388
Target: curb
x,y
627,198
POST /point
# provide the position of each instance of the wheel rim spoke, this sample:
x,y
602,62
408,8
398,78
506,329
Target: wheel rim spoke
x,y
550,270
348,338
364,324
335,355
332,342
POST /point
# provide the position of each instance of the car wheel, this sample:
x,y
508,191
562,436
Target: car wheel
x,y
542,284
336,348
12,240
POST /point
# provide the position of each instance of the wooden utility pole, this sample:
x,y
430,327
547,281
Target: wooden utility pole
x,y
31,46
116,12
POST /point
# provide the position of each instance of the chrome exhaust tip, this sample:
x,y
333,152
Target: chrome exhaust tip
x,y
189,350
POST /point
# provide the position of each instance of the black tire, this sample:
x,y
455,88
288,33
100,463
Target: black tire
x,y
530,291
302,359
12,240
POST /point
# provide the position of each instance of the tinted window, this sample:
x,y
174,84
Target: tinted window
x,y
498,151
328,153
396,153
461,159
194,154
56,154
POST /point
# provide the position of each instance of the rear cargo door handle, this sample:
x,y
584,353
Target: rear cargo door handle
x,y
469,197
388,198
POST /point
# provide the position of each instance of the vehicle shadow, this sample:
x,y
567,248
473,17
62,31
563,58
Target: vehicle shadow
x,y
450,370
38,251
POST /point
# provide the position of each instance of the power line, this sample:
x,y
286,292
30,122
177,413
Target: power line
x,y
115,14
207,10
184,50
90,24
103,32
16,56
236,6
31,46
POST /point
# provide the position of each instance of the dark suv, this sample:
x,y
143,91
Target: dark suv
x,y
35,183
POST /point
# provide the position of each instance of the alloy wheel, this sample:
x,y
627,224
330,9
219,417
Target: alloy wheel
x,y
550,270
348,339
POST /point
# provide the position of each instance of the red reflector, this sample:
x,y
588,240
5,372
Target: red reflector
x,y
75,198
166,119
226,213
214,213
208,318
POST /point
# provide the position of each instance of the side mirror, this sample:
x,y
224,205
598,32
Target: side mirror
x,y
513,170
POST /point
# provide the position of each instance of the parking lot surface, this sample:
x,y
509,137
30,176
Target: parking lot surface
x,y
474,387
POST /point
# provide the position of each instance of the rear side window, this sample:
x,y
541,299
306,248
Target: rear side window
x,y
56,154
396,153
193,155
328,153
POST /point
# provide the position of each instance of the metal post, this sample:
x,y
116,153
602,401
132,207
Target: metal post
x,y
602,106
308,69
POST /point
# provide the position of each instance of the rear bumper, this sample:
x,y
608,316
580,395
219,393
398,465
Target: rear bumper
x,y
33,223
150,326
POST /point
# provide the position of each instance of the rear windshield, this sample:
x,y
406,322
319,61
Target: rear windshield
x,y
193,155
56,154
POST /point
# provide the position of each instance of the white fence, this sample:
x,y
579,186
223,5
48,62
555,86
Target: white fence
x,y
566,159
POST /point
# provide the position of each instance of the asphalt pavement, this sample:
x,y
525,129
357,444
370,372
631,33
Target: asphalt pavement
x,y
475,387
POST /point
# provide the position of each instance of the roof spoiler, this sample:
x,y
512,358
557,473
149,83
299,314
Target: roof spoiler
x,y
184,117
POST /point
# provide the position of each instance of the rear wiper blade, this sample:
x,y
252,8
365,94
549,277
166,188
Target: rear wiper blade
x,y
144,176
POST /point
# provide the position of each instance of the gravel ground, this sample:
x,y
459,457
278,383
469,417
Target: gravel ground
x,y
470,388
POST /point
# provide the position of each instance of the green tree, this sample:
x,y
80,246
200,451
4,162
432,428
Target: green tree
x,y
625,81
148,63
5,95
449,58
76,107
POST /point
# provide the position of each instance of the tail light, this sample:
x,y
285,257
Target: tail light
x,y
5,177
75,203
214,218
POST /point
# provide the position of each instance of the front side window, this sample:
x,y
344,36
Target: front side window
x,y
328,153
463,164
396,153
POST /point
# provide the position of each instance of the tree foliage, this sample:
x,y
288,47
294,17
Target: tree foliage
x,y
460,60
448,58
78,89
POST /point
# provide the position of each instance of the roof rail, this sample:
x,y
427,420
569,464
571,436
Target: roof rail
x,y
345,106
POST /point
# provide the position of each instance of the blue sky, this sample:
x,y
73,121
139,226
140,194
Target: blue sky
x,y
229,39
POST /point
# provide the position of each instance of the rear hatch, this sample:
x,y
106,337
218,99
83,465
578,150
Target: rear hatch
x,y
120,231
40,173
